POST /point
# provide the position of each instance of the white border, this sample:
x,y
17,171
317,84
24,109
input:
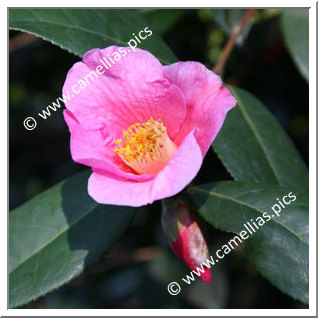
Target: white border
x,y
165,3
312,164
312,157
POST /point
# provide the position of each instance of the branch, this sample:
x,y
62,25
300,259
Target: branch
x,y
236,31
20,41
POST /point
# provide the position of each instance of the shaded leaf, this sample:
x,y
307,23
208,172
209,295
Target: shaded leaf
x,y
254,147
295,24
228,19
56,235
278,248
80,30
162,20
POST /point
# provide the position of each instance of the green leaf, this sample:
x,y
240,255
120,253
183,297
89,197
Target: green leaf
x,y
295,25
254,147
56,235
279,248
163,20
228,19
80,30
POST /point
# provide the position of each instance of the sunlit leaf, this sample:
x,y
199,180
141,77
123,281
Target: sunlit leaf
x,y
80,30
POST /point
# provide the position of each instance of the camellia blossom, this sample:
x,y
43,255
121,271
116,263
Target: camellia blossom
x,y
143,128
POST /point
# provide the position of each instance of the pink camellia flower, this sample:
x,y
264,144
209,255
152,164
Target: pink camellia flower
x,y
143,128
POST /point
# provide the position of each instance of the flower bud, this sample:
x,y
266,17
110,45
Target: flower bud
x,y
185,236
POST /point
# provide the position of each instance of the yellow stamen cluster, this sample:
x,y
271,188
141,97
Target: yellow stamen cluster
x,y
141,141
145,146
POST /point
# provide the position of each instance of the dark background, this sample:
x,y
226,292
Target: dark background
x,y
130,275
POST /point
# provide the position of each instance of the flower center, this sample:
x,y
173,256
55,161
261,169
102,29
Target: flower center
x,y
146,147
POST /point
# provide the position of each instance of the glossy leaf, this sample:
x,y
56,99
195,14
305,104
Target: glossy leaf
x,y
53,237
278,248
79,30
295,24
254,147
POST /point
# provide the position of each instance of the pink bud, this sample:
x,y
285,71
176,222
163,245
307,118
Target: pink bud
x,y
185,236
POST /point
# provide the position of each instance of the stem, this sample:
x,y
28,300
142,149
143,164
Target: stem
x,y
236,31
20,41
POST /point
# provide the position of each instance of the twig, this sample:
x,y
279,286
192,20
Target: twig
x,y
20,41
236,31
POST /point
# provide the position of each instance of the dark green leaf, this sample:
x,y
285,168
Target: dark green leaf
x,y
53,237
254,148
279,248
163,20
80,30
295,24
228,19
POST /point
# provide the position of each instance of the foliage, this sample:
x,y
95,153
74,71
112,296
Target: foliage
x,y
54,236
295,25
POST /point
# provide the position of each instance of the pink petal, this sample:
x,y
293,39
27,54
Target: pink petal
x,y
207,102
183,167
185,236
192,248
132,90
88,147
